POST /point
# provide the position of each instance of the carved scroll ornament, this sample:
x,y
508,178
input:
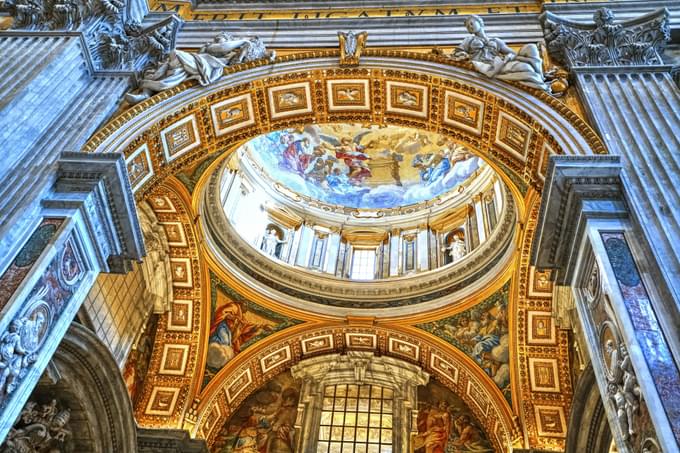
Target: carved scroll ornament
x,y
638,41
39,429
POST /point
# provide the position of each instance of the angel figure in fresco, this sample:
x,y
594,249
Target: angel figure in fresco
x,y
297,154
431,166
228,332
351,153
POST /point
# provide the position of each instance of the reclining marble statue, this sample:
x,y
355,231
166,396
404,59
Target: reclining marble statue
x,y
206,66
493,58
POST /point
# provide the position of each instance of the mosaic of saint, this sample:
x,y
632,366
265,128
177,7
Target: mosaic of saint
x,y
446,424
236,323
363,166
264,423
482,333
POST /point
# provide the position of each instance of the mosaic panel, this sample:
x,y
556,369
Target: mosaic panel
x,y
463,112
348,95
551,421
407,99
543,375
181,315
174,361
139,167
513,136
162,401
289,100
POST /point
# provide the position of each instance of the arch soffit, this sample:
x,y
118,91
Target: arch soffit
x,y
179,392
513,127
253,367
84,361
518,130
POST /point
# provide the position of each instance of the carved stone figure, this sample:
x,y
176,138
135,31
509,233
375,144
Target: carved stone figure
x,y
270,241
639,41
493,58
623,389
351,46
206,66
67,14
43,430
27,13
456,249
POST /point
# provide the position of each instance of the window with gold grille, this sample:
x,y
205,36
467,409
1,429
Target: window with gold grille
x,y
356,419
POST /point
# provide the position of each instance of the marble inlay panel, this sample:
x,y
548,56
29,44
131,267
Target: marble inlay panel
x,y
647,332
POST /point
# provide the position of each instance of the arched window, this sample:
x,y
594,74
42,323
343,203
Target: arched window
x,y
357,403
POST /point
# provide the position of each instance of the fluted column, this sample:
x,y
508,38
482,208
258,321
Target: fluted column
x,y
631,99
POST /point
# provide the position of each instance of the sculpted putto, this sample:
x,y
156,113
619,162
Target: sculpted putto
x,y
493,58
206,66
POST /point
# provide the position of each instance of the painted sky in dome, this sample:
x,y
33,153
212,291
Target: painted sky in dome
x,y
363,167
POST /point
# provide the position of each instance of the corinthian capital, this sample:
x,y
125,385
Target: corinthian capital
x,y
635,42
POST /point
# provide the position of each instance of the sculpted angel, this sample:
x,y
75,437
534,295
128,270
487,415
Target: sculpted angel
x,y
493,58
206,66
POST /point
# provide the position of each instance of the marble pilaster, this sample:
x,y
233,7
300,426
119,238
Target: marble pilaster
x,y
95,230
587,237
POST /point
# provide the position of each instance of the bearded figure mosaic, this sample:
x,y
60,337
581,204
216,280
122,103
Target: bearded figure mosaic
x,y
446,424
264,423
369,167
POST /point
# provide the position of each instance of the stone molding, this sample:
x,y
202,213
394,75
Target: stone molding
x,y
103,189
577,188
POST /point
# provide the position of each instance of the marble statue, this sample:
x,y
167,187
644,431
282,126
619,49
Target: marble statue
x,y
456,249
493,58
15,357
270,241
623,389
206,66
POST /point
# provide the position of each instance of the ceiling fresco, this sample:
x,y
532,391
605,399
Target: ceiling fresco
x,y
515,141
362,166
482,333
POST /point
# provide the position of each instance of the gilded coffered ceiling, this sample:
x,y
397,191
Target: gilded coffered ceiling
x,y
516,380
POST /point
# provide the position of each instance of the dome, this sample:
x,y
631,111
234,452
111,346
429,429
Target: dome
x,y
361,166
409,216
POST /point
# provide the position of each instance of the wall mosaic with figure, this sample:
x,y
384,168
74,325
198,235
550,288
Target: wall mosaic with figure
x,y
235,324
264,422
29,253
446,424
482,333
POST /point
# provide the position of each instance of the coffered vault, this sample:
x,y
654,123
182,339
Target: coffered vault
x,y
515,130
475,306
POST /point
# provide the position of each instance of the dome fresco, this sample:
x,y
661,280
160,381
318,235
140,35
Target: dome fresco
x,y
364,167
